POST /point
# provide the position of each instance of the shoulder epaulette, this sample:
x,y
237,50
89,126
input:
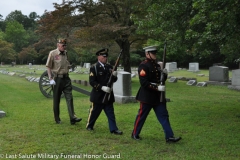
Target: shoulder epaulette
x,y
144,62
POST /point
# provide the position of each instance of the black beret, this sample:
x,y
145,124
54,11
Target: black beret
x,y
103,52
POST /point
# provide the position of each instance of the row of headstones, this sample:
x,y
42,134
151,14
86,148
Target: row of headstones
x,y
172,66
218,75
190,81
2,113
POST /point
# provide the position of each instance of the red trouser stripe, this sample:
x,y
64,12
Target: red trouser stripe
x,y
138,119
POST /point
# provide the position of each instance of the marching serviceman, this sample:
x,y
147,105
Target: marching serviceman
x,y
148,95
99,75
58,68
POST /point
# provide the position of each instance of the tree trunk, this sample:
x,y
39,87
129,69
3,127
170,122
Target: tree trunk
x,y
125,58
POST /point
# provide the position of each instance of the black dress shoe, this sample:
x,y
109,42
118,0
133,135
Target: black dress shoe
x,y
136,137
58,122
89,129
117,132
73,121
173,139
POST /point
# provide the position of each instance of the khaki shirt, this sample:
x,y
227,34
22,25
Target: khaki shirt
x,y
58,62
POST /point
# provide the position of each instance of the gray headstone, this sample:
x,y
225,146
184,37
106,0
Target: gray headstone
x,y
171,66
173,79
123,88
192,82
193,67
84,82
2,114
236,77
218,73
201,84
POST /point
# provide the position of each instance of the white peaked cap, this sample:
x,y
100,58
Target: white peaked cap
x,y
150,48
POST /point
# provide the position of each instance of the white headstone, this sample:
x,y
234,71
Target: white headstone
x,y
193,67
236,77
122,88
87,65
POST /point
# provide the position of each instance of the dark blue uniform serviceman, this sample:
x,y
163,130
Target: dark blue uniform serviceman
x,y
98,78
149,72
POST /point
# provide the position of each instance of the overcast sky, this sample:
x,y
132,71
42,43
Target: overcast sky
x,y
26,6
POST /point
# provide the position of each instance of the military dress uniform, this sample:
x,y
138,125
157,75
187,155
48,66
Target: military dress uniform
x,y
98,77
58,63
148,95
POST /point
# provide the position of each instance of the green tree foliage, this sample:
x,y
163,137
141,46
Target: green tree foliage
x,y
6,51
215,29
16,34
2,23
27,22
167,21
104,23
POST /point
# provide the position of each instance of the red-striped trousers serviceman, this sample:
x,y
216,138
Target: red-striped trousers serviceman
x,y
148,95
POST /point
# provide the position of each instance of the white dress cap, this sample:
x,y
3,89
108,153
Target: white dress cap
x,y
150,48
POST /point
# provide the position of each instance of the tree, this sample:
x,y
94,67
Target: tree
x,y
167,20
6,51
27,22
215,29
97,24
27,54
16,34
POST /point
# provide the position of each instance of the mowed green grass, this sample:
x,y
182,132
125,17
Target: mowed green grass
x,y
207,118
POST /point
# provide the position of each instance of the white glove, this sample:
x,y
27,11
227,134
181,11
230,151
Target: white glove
x,y
52,82
165,71
115,73
161,88
106,89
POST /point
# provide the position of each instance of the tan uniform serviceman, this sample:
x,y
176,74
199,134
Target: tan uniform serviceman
x,y
58,68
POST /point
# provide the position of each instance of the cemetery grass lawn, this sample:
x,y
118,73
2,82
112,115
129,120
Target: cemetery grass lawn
x,y
207,118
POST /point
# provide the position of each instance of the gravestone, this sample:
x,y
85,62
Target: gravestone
x,y
87,65
192,82
84,82
173,80
235,84
174,64
122,88
11,73
171,66
236,77
218,73
201,84
2,114
194,67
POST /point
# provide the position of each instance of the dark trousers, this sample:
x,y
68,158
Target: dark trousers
x,y
162,116
95,111
63,85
